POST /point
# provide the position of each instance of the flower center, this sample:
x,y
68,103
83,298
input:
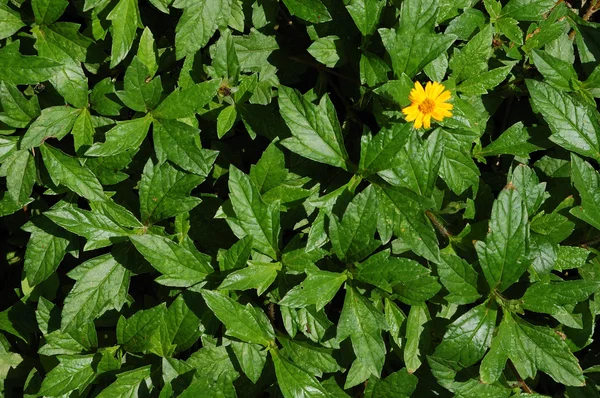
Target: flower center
x,y
427,106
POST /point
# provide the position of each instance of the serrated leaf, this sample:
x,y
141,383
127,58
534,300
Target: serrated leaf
x,y
125,19
101,285
353,238
180,143
255,217
16,68
11,21
196,26
187,101
574,126
551,298
314,359
383,151
165,192
135,333
503,256
20,176
315,128
459,278
530,348
457,168
66,170
128,383
415,326
480,84
99,230
256,275
366,14
74,372
252,358
318,288
295,381
472,59
363,323
46,247
242,322
414,44
127,135
17,110
527,10
513,141
54,121
310,10
226,119
556,72
327,50
469,336
180,266
587,182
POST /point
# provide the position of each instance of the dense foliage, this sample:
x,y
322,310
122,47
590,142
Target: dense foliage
x,y
221,198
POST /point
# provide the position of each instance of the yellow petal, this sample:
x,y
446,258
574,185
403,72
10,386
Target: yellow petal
x,y
445,96
436,90
419,121
444,105
427,121
437,115
417,94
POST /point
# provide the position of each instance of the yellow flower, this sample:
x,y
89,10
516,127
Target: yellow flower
x,y
428,103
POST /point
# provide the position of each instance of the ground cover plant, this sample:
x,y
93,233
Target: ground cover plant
x,y
299,198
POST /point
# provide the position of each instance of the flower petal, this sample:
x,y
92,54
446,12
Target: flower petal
x,y
443,97
427,121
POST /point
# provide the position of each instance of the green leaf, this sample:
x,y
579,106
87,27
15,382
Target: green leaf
x,y
415,326
316,130
165,192
254,49
257,276
99,230
226,120
527,10
503,256
327,50
54,121
125,136
295,381
48,11
128,384
366,14
255,217
414,44
20,176
269,172
101,285
24,69
527,184
180,143
574,126
530,348
141,90
147,51
418,163
402,276
556,72
251,357
66,170
125,19
459,278
180,265
73,372
17,110
310,10
408,221
480,84
457,168
186,102
196,26
514,141
46,248
83,131
135,334
318,288
587,182
243,322
212,362
383,152
236,256
353,238
473,58
373,70
555,226
314,359
468,337
552,298
224,58
363,323
11,21
400,384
